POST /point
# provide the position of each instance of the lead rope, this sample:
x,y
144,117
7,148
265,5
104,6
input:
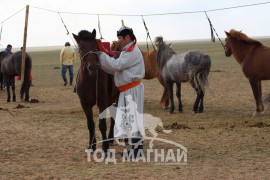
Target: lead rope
x,y
1,31
67,30
148,36
213,30
76,81
99,29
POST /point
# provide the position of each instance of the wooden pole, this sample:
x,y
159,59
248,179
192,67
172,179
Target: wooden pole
x,y
24,45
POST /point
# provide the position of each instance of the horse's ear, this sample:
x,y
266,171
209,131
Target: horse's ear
x,y
76,38
228,34
94,33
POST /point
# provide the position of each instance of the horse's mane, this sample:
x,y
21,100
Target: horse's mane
x,y
165,52
85,35
2,55
243,37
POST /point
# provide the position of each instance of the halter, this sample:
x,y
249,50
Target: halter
x,y
95,67
89,52
86,54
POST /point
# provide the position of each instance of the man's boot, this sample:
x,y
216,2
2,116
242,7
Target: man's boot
x,y
71,81
65,81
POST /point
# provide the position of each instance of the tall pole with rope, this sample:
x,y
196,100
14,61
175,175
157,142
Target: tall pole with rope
x,y
24,45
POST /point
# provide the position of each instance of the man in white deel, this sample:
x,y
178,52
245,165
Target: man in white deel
x,y
128,71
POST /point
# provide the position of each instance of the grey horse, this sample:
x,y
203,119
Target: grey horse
x,y
191,66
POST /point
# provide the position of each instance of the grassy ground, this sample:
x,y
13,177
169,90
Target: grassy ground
x,y
48,139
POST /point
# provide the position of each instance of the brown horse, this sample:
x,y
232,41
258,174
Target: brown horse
x,y
151,69
94,86
254,59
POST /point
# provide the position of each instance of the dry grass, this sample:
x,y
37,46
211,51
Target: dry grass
x,y
48,139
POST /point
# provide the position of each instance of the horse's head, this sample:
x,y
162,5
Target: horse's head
x,y
88,49
2,56
158,41
116,46
228,51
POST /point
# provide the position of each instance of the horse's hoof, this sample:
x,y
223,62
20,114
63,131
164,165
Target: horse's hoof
x,y
180,111
255,114
171,112
92,146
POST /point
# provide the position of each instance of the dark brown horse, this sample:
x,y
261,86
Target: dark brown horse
x,y
94,86
2,55
151,69
254,59
11,67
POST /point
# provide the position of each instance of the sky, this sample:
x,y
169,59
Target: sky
x,y
46,29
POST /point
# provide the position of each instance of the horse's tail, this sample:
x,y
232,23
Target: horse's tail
x,y
198,74
26,82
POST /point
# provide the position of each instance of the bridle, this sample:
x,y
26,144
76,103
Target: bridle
x,y
91,67
89,52
96,66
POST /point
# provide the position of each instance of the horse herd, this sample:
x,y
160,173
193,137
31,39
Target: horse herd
x,y
192,66
95,87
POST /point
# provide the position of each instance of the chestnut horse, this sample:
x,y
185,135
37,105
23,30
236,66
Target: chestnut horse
x,y
94,87
254,59
151,69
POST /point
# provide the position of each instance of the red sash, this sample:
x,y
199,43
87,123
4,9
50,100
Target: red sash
x,y
128,86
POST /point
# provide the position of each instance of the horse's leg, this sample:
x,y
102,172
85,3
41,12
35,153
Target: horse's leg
x,y
196,103
7,79
103,130
25,90
90,124
201,101
178,94
169,85
165,98
13,89
255,88
26,85
260,96
111,133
